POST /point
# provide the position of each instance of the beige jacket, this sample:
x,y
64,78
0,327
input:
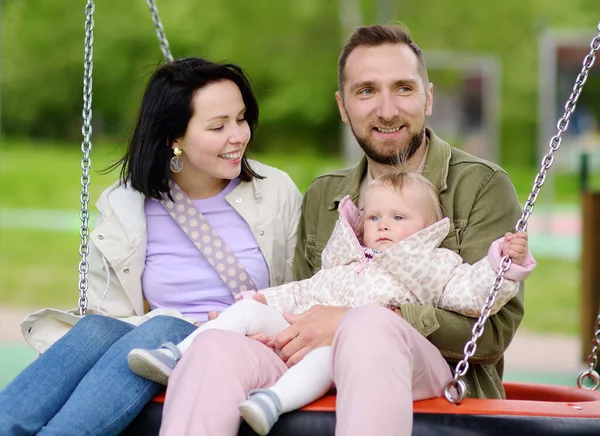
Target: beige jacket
x,y
413,271
117,253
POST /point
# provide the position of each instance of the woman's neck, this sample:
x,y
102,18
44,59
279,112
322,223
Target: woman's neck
x,y
200,187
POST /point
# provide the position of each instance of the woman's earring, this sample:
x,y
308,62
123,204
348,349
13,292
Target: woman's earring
x,y
176,163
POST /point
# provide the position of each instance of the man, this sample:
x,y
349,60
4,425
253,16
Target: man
x,y
382,359
385,96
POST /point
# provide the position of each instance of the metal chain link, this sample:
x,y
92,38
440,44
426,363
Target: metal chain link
x,y
591,372
86,147
86,130
160,31
471,346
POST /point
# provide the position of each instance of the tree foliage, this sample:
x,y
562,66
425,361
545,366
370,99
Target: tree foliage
x,y
289,49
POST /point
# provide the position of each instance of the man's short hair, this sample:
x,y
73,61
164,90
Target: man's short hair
x,y
374,36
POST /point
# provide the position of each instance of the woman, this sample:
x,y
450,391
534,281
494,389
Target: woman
x,y
184,178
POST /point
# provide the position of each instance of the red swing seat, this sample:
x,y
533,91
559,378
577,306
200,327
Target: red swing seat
x,y
528,408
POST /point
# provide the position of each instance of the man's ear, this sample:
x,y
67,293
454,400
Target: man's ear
x,y
429,100
340,102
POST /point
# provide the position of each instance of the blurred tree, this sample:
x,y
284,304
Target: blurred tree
x,y
510,31
290,50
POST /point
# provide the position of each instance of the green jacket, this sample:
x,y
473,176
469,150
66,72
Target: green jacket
x,y
481,203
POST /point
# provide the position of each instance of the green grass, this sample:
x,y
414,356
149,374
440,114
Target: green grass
x,y
39,268
559,187
552,296
48,176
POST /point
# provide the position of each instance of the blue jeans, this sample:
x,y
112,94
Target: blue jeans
x,y
82,384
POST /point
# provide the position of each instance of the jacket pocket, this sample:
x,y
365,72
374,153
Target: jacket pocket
x,y
313,252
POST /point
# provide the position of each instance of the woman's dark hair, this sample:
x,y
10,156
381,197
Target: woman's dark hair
x,y
166,109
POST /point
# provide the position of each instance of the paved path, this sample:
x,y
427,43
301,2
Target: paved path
x,y
9,324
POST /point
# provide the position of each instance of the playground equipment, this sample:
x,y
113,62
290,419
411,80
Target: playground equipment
x,y
533,408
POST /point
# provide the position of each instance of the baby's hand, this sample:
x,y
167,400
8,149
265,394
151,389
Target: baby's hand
x,y
515,245
260,298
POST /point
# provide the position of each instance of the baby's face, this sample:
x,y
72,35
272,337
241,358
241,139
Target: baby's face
x,y
391,217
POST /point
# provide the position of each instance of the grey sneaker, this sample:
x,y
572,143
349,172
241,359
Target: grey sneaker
x,y
261,410
154,365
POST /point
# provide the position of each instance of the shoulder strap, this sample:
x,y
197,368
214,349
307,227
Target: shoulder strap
x,y
208,241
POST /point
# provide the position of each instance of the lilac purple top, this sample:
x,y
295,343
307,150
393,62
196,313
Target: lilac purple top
x,y
177,275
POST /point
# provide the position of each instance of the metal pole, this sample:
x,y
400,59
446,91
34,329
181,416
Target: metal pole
x,y
350,19
385,11
492,101
547,113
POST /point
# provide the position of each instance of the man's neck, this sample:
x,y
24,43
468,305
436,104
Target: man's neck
x,y
377,169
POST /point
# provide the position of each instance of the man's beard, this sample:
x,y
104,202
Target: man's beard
x,y
399,154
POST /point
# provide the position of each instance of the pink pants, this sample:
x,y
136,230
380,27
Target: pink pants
x,y
380,365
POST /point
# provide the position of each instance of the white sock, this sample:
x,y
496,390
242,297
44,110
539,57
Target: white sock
x,y
306,381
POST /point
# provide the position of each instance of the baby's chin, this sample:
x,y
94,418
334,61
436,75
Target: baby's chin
x,y
383,245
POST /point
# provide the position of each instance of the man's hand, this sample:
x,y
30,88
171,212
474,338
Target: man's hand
x,y
309,330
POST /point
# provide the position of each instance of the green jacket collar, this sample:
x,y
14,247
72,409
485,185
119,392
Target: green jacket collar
x,y
436,167
350,185
437,161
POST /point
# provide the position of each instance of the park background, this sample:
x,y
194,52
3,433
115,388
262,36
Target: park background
x,y
501,73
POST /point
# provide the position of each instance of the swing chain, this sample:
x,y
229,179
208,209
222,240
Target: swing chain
x,y
86,147
160,31
591,373
471,346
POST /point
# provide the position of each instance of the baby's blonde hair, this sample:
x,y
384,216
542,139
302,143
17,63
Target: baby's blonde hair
x,y
399,179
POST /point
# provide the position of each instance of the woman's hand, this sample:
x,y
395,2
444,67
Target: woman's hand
x,y
260,298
